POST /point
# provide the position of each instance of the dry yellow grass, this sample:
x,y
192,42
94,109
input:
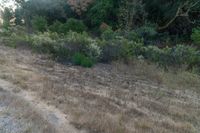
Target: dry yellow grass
x,y
117,98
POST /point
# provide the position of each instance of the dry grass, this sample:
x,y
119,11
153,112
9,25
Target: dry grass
x,y
117,98
99,122
21,112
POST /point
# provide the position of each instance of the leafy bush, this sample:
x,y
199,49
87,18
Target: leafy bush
x,y
39,23
108,34
196,36
132,36
120,47
43,42
15,36
176,56
147,33
110,50
81,42
73,25
82,60
5,32
56,27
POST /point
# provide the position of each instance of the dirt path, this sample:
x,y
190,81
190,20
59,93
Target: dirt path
x,y
49,114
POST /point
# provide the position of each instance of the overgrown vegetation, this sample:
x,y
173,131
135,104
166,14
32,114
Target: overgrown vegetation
x,y
88,32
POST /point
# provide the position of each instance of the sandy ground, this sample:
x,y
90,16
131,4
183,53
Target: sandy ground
x,y
115,98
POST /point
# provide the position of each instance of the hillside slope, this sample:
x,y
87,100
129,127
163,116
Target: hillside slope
x,y
115,98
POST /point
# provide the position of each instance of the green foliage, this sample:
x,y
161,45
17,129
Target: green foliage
x,y
175,56
43,42
7,15
110,50
71,25
130,35
196,36
131,14
51,9
103,11
120,48
56,27
39,23
81,42
146,32
82,60
64,47
18,16
15,36
74,25
108,34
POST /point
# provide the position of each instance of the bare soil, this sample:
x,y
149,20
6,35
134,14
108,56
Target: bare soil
x,y
108,98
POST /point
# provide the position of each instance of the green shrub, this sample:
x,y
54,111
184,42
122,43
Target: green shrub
x,y
108,34
16,39
39,23
43,42
82,60
5,32
61,53
196,36
56,27
153,53
102,11
120,48
132,36
73,25
176,56
147,33
83,43
110,50
16,36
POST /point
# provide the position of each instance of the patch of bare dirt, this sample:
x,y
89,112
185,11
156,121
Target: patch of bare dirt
x,y
112,98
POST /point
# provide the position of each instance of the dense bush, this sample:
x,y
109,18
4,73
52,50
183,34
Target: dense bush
x,y
110,50
196,36
82,60
83,43
119,47
14,36
75,25
84,50
103,11
176,56
56,27
65,47
43,42
147,33
108,34
71,25
39,23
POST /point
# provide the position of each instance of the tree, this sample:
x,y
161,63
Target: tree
x,y
164,13
131,14
7,15
103,11
39,23
79,6
51,9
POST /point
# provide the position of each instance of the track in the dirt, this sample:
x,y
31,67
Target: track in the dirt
x,y
21,113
